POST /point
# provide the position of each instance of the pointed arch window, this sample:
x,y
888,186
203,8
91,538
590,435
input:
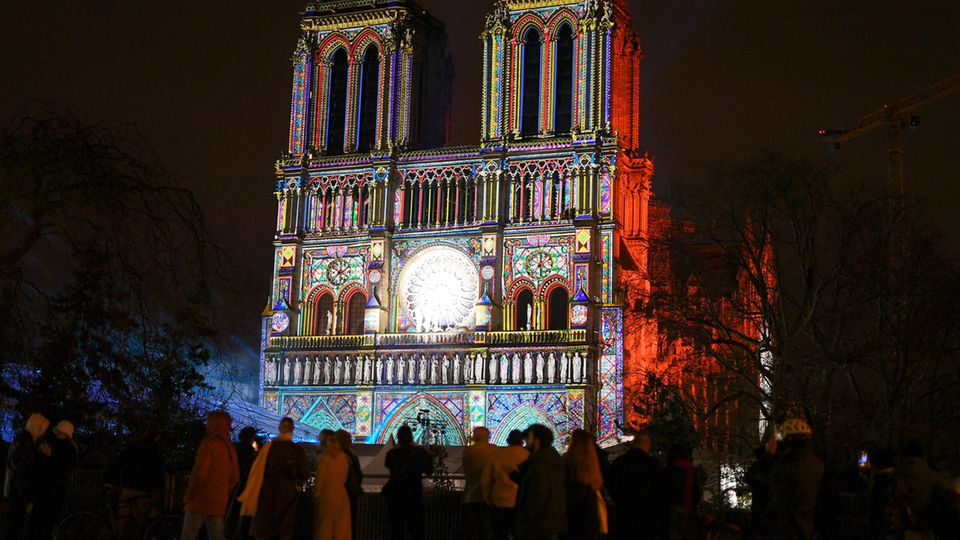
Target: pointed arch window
x,y
323,315
558,307
369,95
523,319
563,81
337,102
530,95
355,309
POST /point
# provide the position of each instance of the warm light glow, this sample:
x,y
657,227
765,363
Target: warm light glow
x,y
438,289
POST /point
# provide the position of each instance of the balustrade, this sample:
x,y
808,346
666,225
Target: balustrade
x,y
521,337
491,368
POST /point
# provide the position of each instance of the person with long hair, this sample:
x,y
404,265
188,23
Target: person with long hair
x,y
354,477
583,483
332,506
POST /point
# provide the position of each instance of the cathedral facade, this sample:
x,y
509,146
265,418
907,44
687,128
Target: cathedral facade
x,y
449,287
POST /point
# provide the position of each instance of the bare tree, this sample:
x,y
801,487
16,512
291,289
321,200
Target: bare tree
x,y
106,269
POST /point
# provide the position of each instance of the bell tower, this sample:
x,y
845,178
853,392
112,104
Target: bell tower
x,y
364,72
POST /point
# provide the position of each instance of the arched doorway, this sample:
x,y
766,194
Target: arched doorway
x,y
430,421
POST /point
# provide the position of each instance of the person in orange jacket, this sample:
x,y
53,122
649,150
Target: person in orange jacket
x,y
215,472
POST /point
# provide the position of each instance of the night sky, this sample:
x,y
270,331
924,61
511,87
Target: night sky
x,y
208,85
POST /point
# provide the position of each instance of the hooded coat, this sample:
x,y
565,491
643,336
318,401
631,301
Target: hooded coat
x,y
215,470
541,509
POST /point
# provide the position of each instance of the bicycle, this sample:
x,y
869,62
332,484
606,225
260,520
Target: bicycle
x,y
102,524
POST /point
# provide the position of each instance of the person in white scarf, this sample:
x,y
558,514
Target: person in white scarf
x,y
273,486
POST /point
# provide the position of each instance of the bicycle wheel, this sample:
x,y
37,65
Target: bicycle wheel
x,y
166,527
83,525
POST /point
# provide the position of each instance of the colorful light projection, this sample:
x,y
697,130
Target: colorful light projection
x,y
438,289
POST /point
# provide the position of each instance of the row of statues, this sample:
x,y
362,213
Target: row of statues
x,y
429,369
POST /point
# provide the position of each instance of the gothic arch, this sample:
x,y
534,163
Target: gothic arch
x,y
362,41
549,284
519,419
454,433
524,23
330,43
520,283
558,18
348,290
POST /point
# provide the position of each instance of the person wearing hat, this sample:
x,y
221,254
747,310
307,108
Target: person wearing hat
x,y
794,476
20,480
57,459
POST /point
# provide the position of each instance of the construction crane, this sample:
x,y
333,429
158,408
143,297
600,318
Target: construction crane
x,y
894,117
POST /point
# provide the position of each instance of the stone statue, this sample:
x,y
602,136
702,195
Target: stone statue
x,y
527,368
401,370
272,371
504,369
516,369
329,322
297,371
478,373
286,371
411,374
493,369
456,369
389,370
563,367
367,370
326,370
529,317
346,370
337,370
422,364
552,368
378,374
434,370
577,368
540,368
445,370
317,370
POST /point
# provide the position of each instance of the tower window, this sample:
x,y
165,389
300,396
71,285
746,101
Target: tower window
x,y
557,308
524,310
563,84
323,315
355,310
369,77
530,97
337,102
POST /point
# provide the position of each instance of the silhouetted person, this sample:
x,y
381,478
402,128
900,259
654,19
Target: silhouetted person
x,y
583,483
499,489
887,516
354,483
795,475
57,460
273,486
215,473
408,464
926,494
246,447
682,492
140,472
331,503
633,485
21,479
757,478
541,512
476,524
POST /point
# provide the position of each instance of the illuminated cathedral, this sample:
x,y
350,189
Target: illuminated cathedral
x,y
449,287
